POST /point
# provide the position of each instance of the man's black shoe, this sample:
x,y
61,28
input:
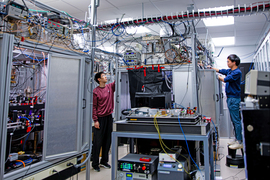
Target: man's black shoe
x,y
96,169
105,165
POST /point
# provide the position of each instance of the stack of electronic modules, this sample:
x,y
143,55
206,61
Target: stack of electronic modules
x,y
169,165
173,165
132,58
168,120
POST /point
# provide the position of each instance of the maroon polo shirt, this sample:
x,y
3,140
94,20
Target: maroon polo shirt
x,y
103,101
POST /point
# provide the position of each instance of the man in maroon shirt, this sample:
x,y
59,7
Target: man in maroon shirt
x,y
103,105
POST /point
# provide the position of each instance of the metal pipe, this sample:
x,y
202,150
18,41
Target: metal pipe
x,y
93,21
194,67
117,85
142,9
155,6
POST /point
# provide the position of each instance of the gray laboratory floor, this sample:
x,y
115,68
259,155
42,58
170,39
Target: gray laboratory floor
x,y
225,172
228,173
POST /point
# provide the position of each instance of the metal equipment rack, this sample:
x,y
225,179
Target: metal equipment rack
x,y
207,147
79,124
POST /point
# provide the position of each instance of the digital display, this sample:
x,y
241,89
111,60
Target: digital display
x,y
126,166
167,165
129,176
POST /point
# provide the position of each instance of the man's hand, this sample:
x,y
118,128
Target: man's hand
x,y
96,124
221,78
216,69
209,67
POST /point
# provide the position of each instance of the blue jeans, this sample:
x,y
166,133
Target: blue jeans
x,y
233,106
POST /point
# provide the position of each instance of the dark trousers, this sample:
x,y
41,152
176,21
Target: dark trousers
x,y
102,138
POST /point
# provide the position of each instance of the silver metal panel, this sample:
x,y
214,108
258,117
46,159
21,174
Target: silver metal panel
x,y
182,86
6,47
86,122
217,99
2,99
209,95
125,95
63,106
225,126
221,97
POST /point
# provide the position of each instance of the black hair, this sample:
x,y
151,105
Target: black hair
x,y
98,75
234,58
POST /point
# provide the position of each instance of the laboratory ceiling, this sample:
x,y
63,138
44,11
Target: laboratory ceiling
x,y
247,30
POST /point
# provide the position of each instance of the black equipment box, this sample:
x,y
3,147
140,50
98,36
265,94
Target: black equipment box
x,y
198,129
189,119
256,126
173,170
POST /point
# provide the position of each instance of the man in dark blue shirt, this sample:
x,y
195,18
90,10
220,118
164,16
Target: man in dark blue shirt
x,y
233,91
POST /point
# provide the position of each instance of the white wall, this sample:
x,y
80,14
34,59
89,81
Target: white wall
x,y
245,53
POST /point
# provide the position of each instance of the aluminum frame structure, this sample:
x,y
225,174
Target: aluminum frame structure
x,y
5,71
262,56
192,68
84,126
93,21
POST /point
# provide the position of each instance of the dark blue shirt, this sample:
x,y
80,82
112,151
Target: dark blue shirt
x,y
232,80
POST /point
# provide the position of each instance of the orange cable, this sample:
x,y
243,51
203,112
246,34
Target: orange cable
x,y
21,162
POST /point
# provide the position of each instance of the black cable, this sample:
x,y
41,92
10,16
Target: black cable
x,y
221,157
51,45
57,173
26,172
36,44
20,86
25,134
75,50
193,26
234,176
10,141
186,33
37,63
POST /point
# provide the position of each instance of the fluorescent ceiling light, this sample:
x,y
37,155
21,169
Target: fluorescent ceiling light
x,y
137,30
224,41
114,20
219,21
